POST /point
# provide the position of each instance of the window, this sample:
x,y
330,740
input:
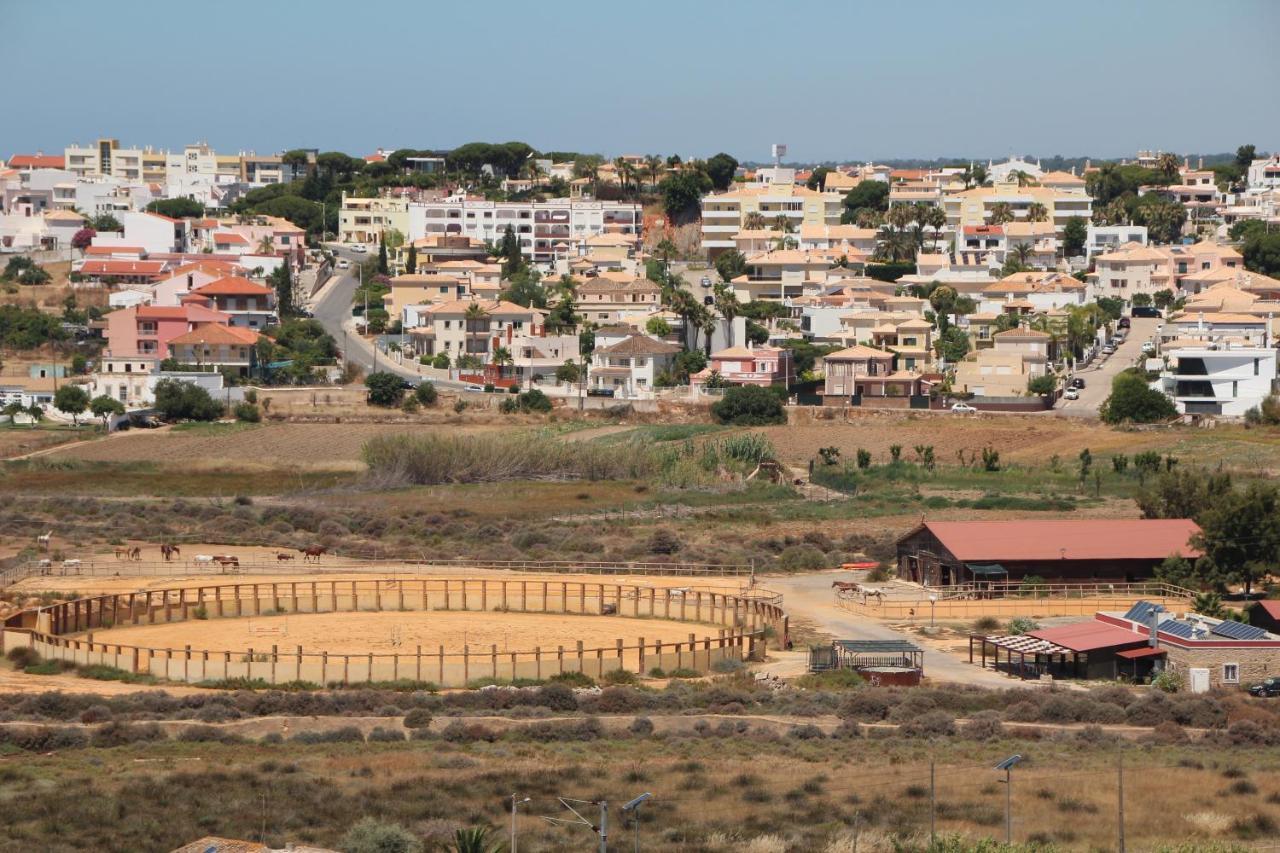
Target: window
x,y
1230,673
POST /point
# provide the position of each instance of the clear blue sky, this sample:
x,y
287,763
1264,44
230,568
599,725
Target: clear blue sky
x,y
836,80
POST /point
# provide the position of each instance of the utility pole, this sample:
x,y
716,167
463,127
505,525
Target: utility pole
x,y
604,826
933,807
1120,792
514,805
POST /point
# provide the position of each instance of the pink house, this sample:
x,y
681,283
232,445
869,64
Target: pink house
x,y
750,365
147,329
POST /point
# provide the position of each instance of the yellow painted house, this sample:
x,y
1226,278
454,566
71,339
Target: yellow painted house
x,y
973,207
725,214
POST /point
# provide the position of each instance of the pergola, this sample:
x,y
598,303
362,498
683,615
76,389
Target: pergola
x,y
859,653
1045,656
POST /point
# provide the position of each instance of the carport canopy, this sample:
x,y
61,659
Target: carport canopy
x,y
987,570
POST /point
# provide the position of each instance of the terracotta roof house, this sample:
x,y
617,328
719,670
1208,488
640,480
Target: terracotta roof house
x,y
946,553
216,345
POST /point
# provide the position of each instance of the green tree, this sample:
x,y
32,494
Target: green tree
x,y
281,281
568,372
952,344
411,262
1132,400
1240,534
525,288
105,222
384,388
681,192
104,407
1245,155
73,400
720,169
1041,385
1074,234
382,258
1164,218
1261,251
870,196
658,327
475,839
176,208
730,264
426,393
749,405
1001,212
817,179
1162,299
185,401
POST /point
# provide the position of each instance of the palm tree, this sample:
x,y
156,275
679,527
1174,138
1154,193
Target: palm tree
x,y
1116,213
653,165
1168,167
475,315
753,221
978,173
681,302
936,218
1023,178
868,218
1037,212
265,246
620,167
783,223
1001,212
501,358
921,209
1022,252
728,306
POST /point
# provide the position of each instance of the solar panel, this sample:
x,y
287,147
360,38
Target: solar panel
x,y
1238,631
1185,630
1141,612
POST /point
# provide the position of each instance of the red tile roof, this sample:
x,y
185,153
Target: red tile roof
x,y
216,333
118,267
1065,539
1271,608
232,285
36,161
229,237
1088,636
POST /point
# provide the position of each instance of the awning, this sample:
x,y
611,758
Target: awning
x,y
1022,644
1135,654
986,569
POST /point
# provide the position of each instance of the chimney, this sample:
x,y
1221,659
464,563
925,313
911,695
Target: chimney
x,y
1200,163
1154,641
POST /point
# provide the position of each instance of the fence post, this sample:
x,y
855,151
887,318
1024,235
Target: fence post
x,y
297,674
560,659
466,664
418,671
537,662
324,669
493,651
441,684
275,659
579,656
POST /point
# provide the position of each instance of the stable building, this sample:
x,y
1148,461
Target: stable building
x,y
949,553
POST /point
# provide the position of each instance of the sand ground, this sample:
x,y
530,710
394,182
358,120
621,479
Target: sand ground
x,y
402,631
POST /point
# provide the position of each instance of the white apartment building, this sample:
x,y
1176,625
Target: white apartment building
x,y
725,214
1108,238
1264,174
547,230
1223,378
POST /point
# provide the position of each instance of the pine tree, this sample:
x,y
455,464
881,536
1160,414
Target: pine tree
x,y
382,258
411,263
282,280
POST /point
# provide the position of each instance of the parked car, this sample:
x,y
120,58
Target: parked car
x,y
963,409
599,392
1268,687
359,248
1148,347
1077,382
1108,349
1071,394
705,281
1145,311
344,264
1124,322
471,386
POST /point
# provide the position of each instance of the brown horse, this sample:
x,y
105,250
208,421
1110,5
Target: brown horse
x,y
312,554
281,556
169,551
845,586
135,554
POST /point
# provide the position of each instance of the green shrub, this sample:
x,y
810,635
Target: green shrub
x,y
418,718
573,679
374,836
23,656
749,405
534,401
247,412
619,676
834,679
426,393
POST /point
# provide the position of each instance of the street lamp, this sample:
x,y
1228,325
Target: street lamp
x,y
634,806
933,600
1007,767
514,805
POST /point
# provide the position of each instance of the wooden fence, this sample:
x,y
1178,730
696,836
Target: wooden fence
x,y
110,567
742,626
1040,601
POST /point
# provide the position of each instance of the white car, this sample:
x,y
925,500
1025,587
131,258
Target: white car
x,y
344,264
359,248
963,409
472,387
1148,347
1071,394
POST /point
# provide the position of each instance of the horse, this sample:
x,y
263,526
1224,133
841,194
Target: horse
x,y
282,556
122,553
70,564
226,561
43,540
845,586
204,559
312,554
135,554
169,551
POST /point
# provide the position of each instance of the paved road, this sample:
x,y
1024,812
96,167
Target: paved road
x,y
809,597
332,308
1098,376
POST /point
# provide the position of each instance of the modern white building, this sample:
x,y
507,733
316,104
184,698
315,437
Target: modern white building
x,y
1218,378
1107,238
1264,173
547,230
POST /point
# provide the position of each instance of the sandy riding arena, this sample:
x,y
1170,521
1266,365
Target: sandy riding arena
x,y
398,631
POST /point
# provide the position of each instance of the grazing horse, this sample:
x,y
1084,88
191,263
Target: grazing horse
x,y
135,554
312,554
226,561
122,553
169,551
282,556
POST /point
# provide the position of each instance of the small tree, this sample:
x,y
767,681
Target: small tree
x,y
83,238
441,361
104,407
411,262
1132,400
382,258
749,405
73,400
830,455
36,412
567,372
658,327
385,389
1119,463
895,452
374,836
425,393
1041,386
863,457
990,459
1086,462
